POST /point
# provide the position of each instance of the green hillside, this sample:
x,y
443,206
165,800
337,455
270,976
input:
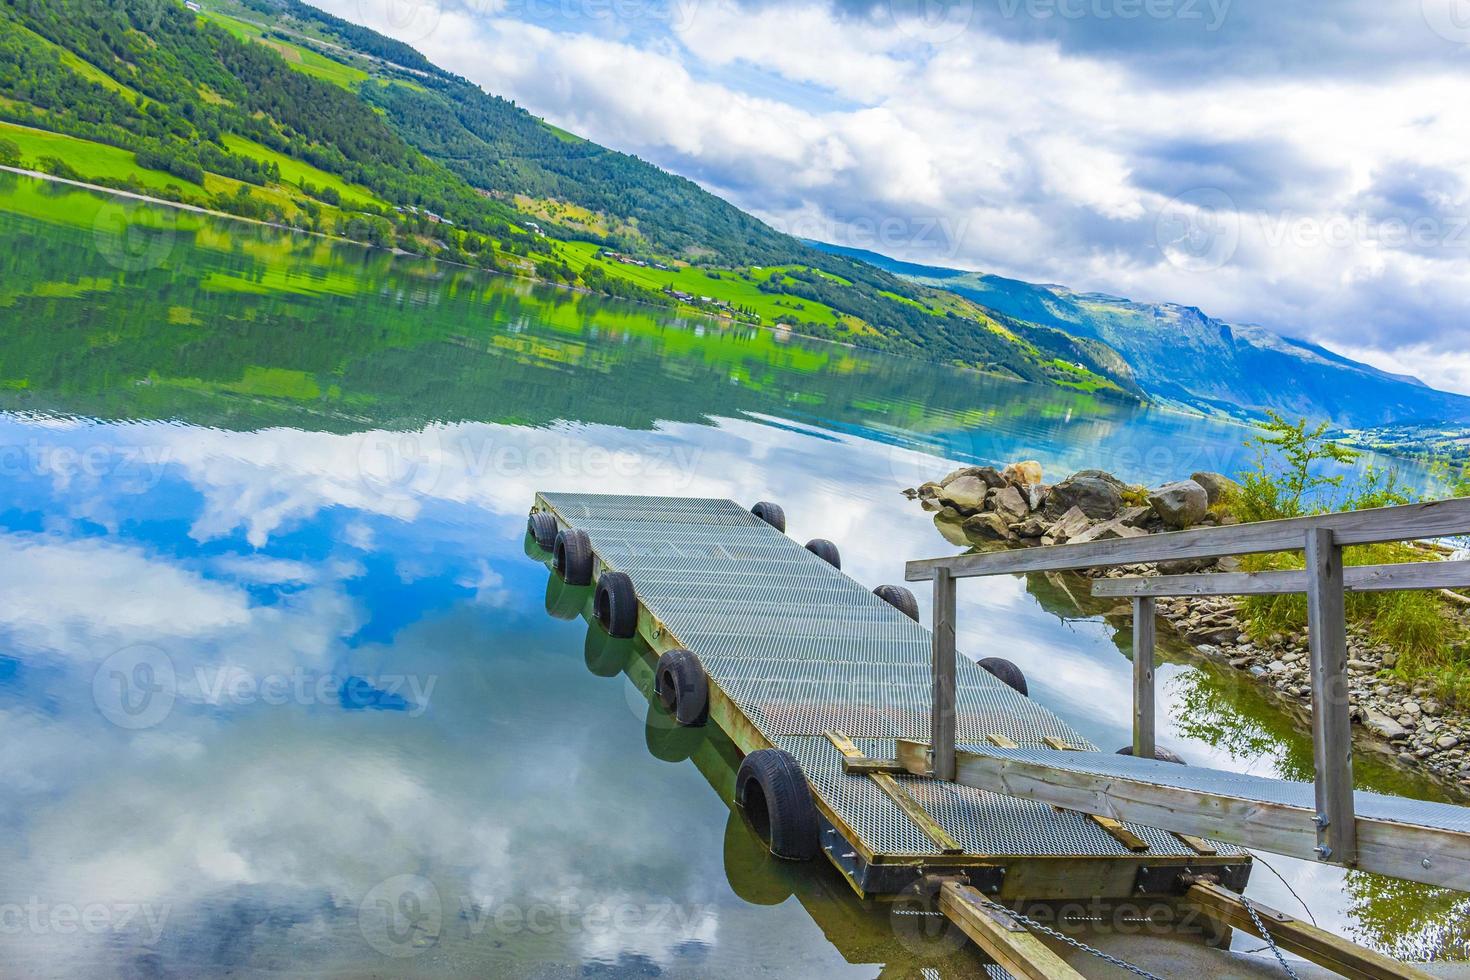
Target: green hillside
x,y
272,110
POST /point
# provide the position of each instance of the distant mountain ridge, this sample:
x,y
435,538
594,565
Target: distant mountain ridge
x,y
1182,355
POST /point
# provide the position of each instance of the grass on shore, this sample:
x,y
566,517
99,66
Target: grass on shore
x,y
1293,477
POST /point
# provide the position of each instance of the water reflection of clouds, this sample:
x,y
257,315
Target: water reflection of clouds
x,y
280,549
222,806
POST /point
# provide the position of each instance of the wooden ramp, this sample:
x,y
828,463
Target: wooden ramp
x,y
1412,839
801,657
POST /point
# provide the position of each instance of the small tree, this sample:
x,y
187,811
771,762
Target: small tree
x,y
9,153
1286,480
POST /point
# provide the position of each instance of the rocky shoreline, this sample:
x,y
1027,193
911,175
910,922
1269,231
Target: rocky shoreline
x,y
1013,507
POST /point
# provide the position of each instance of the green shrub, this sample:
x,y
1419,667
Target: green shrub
x,y
9,153
1286,480
58,167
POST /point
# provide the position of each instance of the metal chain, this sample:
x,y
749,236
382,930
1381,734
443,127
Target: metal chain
x,y
1031,923
1261,926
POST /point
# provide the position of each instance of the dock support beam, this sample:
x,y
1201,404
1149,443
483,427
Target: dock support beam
x,y
1332,734
942,704
1222,906
1002,938
1143,677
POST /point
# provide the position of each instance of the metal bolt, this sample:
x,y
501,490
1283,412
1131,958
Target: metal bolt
x,y
1323,852
1321,821
1424,863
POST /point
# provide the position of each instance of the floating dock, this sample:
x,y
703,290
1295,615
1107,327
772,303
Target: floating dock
x,y
802,658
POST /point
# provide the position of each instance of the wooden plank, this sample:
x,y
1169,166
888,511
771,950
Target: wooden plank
x,y
1332,721
1002,938
1198,844
1060,744
1119,833
1002,742
1357,578
900,796
1143,677
867,766
1433,519
942,705
1410,851
1304,939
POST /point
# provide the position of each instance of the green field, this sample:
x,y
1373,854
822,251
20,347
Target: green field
x,y
88,158
736,286
301,58
98,160
295,171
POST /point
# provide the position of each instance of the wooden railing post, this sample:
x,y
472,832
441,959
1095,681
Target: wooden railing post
x,y
1143,677
942,708
1332,736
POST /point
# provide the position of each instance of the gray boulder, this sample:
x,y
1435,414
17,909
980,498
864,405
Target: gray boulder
x,y
1108,530
989,474
1009,503
1031,527
965,493
1099,499
1181,504
1217,485
1103,475
1382,725
1069,525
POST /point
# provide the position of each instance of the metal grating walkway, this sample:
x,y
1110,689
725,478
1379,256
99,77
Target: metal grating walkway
x,y
802,649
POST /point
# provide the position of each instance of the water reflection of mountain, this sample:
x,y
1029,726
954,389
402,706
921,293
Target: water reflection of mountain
x,y
248,329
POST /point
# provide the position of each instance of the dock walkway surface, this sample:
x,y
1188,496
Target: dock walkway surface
x,y
794,649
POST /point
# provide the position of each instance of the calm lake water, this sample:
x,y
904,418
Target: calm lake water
x,y
278,687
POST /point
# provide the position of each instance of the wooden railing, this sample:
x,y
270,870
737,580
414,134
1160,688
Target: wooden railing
x,y
1324,581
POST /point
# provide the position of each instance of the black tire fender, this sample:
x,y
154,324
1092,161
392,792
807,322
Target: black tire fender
x,y
571,556
1007,673
825,550
615,604
899,598
683,687
771,513
542,527
773,793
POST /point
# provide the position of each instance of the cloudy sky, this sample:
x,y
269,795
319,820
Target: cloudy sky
x,y
1269,161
